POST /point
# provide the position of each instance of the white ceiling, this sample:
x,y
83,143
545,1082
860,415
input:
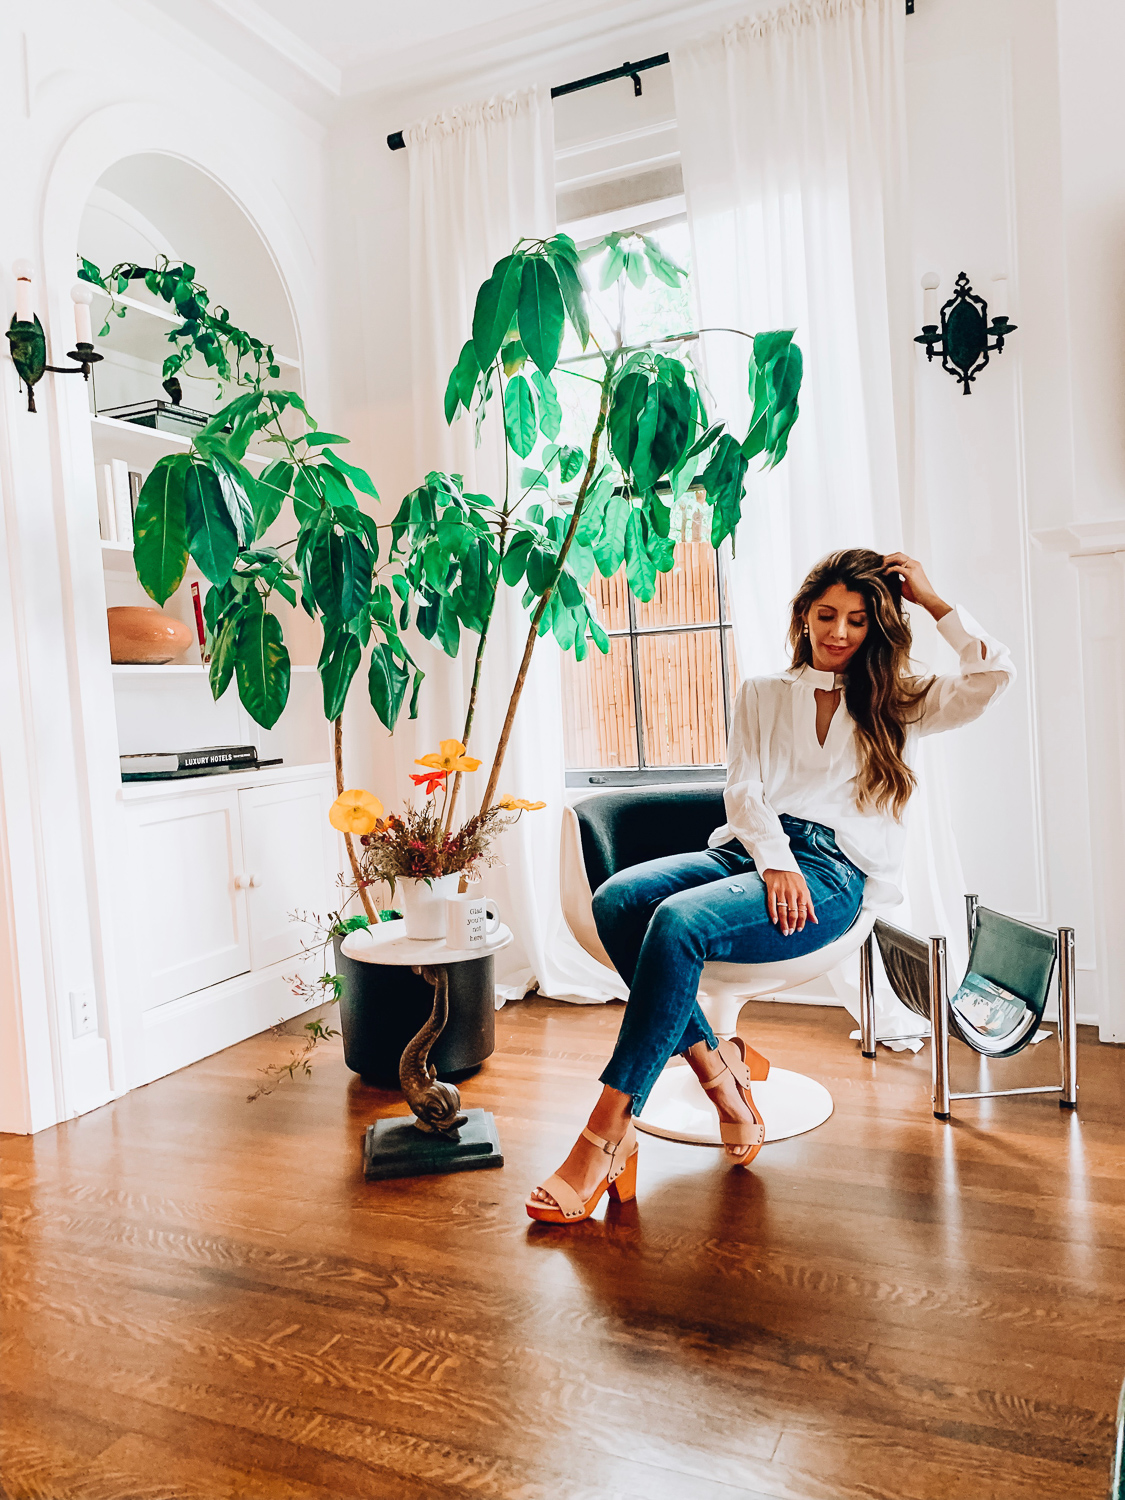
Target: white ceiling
x,y
318,53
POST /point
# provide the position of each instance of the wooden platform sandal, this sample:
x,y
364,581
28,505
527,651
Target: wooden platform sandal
x,y
742,1139
620,1182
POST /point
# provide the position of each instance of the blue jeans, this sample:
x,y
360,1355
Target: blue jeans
x,y
661,921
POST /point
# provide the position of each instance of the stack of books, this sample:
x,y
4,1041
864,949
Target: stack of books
x,y
209,760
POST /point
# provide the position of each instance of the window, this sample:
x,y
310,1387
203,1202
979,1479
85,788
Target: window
x,y
657,707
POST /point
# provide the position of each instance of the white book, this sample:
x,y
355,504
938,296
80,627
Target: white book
x,y
122,501
107,518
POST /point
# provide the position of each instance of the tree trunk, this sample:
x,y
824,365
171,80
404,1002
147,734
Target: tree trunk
x,y
338,738
537,617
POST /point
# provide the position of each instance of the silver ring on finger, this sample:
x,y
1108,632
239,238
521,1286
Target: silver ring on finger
x,y
784,904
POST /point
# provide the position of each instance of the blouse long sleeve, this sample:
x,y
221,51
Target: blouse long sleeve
x,y
749,816
986,669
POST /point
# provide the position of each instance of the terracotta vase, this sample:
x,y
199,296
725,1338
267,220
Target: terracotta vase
x,y
139,634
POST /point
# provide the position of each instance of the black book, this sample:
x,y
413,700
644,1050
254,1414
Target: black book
x,y
206,758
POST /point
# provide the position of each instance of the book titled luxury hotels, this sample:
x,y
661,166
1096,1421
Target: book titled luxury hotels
x,y
189,762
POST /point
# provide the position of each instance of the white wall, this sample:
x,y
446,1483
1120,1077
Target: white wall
x,y
1015,119
89,82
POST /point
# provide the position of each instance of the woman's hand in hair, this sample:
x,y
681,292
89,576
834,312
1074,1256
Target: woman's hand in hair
x,y
916,587
790,904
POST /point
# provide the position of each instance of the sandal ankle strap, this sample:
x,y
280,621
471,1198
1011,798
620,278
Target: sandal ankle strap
x,y
618,1152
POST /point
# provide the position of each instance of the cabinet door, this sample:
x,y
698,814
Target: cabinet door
x,y
189,923
287,843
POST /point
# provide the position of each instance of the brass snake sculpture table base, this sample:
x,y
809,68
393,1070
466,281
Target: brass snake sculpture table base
x,y
441,1138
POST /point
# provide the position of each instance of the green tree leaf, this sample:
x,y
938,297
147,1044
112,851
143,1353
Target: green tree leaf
x,y
609,549
662,431
592,519
337,671
261,664
540,313
236,486
639,569
519,416
270,494
308,496
495,307
222,658
386,685
160,539
512,356
465,372
629,398
212,539
571,463
550,410
783,376
574,297
360,478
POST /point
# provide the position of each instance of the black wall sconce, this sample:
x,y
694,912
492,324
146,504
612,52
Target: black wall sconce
x,y
28,342
964,331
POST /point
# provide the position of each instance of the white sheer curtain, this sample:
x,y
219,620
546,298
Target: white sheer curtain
x,y
482,177
792,135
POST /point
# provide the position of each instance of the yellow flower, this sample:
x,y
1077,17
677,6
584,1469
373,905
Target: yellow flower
x,y
451,757
355,812
520,804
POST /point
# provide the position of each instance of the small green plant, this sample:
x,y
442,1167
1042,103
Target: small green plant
x,y
205,331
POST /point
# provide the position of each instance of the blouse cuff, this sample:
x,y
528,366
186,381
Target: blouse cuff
x,y
966,637
774,854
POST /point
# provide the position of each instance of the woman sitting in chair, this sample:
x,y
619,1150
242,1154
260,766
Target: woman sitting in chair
x,y
819,779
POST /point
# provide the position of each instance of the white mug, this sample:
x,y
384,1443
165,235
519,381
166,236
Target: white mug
x,y
470,920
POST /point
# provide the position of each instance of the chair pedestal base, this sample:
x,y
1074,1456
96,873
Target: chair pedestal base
x,y
679,1110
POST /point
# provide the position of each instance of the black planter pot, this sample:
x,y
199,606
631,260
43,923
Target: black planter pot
x,y
382,1007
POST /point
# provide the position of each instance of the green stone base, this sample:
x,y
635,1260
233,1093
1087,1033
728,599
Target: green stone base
x,y
397,1148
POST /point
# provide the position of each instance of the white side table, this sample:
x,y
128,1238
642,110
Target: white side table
x,y
440,1138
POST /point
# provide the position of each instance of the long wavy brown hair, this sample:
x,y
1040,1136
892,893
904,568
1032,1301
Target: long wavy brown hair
x,y
882,692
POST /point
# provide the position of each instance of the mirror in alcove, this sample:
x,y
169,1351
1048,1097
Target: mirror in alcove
x,y
144,206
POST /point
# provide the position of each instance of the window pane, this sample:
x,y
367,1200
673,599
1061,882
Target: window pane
x,y
599,719
733,678
682,697
612,595
688,595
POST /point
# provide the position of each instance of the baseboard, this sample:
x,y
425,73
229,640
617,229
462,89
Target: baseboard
x,y
201,1024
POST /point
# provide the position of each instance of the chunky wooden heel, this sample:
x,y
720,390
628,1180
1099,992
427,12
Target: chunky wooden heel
x,y
759,1066
624,1188
620,1181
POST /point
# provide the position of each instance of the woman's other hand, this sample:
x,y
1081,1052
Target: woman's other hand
x,y
916,587
788,898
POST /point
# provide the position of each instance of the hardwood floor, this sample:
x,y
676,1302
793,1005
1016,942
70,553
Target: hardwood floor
x,y
202,1297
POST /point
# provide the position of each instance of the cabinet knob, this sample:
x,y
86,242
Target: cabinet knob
x,y
255,880
241,882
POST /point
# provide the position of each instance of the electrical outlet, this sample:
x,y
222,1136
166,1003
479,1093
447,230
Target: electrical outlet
x,y
83,1013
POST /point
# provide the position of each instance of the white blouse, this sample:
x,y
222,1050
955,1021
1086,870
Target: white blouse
x,y
777,765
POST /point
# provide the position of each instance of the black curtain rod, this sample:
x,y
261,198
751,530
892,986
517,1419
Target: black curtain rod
x,y
626,70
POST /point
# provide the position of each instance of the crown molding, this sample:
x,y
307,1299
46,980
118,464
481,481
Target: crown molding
x,y
253,18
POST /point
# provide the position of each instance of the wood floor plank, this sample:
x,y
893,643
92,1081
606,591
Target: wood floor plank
x,y
883,1308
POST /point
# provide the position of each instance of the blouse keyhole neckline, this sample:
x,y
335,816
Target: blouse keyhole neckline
x,y
832,695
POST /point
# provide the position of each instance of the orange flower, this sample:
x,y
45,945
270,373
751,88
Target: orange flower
x,y
431,780
355,812
451,757
520,804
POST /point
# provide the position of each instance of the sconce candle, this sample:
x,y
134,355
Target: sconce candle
x,y
22,270
28,341
82,296
929,299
